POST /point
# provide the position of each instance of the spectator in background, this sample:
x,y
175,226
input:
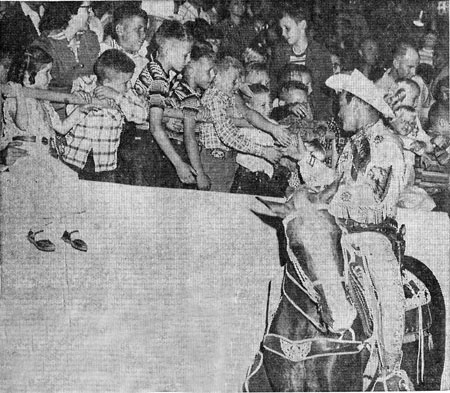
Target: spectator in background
x,y
298,48
66,38
191,10
429,41
237,30
369,53
129,32
20,25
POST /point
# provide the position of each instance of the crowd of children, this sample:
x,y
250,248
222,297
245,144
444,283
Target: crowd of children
x,y
243,116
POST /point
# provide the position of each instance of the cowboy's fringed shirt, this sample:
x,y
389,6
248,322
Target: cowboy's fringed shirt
x,y
372,167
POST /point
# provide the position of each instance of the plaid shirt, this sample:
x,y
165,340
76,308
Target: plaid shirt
x,y
100,130
222,133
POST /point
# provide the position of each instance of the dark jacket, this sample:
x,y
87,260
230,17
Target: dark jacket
x,y
17,31
65,67
318,61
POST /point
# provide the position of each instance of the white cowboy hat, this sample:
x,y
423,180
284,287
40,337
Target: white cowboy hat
x,y
361,87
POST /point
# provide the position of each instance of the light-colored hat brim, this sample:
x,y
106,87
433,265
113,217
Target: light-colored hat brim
x,y
361,87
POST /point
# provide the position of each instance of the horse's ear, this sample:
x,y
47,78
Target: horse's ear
x,y
272,221
280,209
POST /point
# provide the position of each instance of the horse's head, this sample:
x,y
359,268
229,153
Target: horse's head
x,y
313,244
303,221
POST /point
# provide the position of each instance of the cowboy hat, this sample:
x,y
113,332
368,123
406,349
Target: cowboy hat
x,y
361,87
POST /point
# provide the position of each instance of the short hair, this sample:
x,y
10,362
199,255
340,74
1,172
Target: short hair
x,y
438,111
202,49
401,49
198,28
258,88
57,14
294,11
293,85
112,60
255,67
227,62
171,30
124,12
412,84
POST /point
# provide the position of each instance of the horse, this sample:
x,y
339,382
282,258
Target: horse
x,y
299,350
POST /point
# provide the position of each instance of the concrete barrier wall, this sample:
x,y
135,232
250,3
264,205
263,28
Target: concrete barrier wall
x,y
171,294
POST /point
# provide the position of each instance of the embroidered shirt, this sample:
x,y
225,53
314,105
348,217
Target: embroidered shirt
x,y
372,167
221,133
100,130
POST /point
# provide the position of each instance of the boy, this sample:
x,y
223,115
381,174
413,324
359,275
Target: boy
x,y
165,167
294,101
255,175
256,73
185,95
92,144
220,139
414,141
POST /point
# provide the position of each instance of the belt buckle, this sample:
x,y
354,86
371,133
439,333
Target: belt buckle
x,y
218,153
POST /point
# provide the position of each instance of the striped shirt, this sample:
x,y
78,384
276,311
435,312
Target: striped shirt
x,y
221,133
154,84
295,58
100,130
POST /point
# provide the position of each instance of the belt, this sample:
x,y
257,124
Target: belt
x,y
220,154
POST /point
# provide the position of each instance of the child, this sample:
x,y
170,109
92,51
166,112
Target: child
x,y
256,73
38,183
293,100
185,95
300,73
310,158
414,141
427,50
92,144
165,166
255,175
220,138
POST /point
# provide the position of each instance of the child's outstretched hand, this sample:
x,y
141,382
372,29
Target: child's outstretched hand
x,y
281,134
86,97
418,147
299,110
85,109
293,152
272,154
104,93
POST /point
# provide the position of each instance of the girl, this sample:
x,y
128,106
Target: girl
x,y
38,182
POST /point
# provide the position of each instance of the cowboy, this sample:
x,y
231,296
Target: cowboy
x,y
370,178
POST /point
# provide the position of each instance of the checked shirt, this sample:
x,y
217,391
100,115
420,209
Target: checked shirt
x,y
100,130
221,133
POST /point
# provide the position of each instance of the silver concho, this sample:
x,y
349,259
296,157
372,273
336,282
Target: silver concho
x,y
295,352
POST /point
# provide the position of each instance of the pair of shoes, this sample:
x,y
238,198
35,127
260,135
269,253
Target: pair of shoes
x,y
47,246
